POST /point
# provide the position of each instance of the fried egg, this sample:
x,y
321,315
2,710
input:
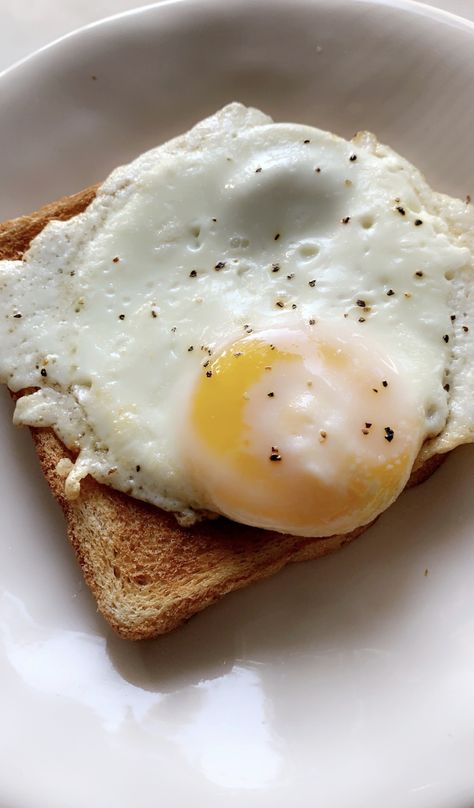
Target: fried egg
x,y
258,320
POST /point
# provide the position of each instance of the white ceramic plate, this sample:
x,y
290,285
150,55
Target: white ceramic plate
x,y
343,683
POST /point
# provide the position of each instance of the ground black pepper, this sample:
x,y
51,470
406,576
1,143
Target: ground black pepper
x,y
389,434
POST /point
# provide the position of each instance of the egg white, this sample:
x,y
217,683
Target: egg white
x,y
223,230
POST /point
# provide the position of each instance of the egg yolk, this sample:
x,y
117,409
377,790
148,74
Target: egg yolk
x,y
306,432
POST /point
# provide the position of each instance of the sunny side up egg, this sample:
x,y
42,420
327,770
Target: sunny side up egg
x,y
254,320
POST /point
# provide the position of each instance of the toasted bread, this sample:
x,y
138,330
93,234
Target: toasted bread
x,y
147,574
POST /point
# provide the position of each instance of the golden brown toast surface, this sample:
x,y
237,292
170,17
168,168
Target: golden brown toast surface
x,y
147,574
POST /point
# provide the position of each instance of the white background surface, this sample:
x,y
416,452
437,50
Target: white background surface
x,y
344,684
26,25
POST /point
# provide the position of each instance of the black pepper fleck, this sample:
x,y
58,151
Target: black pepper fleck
x,y
275,457
417,222
353,158
312,283
270,395
220,265
453,317
306,141
368,424
389,433
276,236
446,387
361,303
43,372
390,293
385,383
193,273
345,220
290,276
280,304
208,373
258,170
446,338
311,322
137,468
275,267
317,170
115,260
400,210
17,316
191,348
153,313
465,329
361,319
121,316
419,274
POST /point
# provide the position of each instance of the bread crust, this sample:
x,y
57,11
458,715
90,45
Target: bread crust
x,y
148,574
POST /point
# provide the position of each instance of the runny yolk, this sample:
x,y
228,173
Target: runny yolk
x,y
306,433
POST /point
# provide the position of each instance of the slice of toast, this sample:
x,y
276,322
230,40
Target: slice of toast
x,y
147,574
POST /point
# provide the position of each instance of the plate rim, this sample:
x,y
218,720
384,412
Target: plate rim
x,y
409,6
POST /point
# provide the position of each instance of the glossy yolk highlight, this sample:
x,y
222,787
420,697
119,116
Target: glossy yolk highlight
x,y
301,433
